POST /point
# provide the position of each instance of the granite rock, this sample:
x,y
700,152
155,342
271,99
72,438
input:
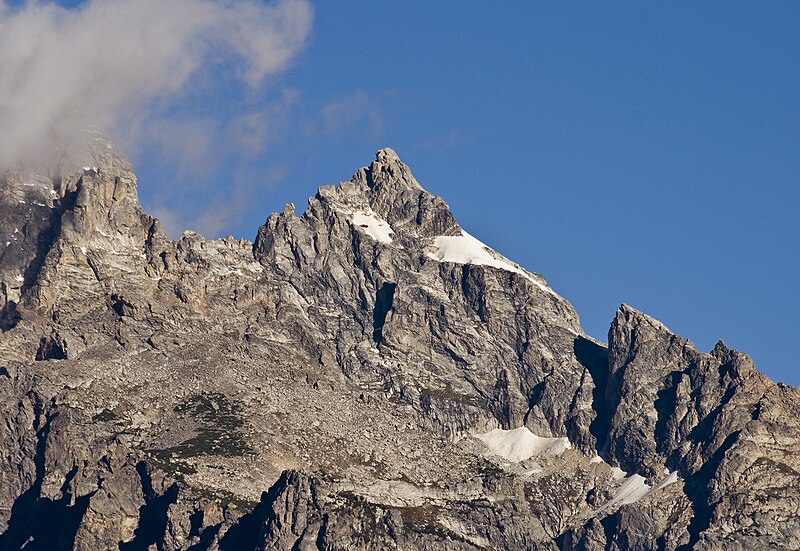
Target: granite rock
x,y
365,375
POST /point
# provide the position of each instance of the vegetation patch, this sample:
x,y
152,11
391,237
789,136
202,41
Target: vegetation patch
x,y
174,468
105,416
218,432
223,497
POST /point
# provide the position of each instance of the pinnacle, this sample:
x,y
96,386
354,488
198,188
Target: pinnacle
x,y
387,155
630,316
721,348
389,170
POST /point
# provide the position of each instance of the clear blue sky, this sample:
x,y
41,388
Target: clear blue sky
x,y
629,152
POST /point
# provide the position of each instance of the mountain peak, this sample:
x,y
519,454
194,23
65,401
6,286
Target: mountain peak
x,y
387,155
78,212
386,379
387,170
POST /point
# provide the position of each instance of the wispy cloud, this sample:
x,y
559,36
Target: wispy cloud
x,y
187,146
253,130
357,109
452,139
221,211
119,64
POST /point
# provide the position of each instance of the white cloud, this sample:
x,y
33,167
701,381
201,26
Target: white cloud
x,y
117,63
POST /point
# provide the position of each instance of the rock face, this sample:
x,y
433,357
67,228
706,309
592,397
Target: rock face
x,y
364,376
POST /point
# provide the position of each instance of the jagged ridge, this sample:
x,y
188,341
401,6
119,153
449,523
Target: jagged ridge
x,y
323,387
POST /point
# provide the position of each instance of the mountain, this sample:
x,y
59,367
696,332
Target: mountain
x,y
365,375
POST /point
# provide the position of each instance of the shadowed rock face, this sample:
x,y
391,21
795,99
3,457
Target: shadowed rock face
x,y
324,387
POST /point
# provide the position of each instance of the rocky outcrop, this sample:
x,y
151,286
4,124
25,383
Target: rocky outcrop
x,y
729,431
364,375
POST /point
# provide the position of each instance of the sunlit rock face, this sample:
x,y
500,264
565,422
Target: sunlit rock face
x,y
364,375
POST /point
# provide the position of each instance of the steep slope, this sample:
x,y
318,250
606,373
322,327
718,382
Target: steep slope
x,y
366,375
729,431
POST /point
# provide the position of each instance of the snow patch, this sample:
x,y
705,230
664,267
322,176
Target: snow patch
x,y
376,228
230,271
618,473
520,444
634,488
595,459
466,249
671,478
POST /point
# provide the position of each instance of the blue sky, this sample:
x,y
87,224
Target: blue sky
x,y
629,152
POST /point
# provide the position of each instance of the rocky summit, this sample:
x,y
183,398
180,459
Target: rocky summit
x,y
364,375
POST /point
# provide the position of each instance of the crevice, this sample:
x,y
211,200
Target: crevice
x,y
696,489
42,232
384,300
574,424
472,288
153,515
560,540
370,177
22,525
48,237
500,402
594,358
323,533
206,535
43,524
51,348
535,395
702,432
248,532
610,526
195,523
9,316
120,306
299,542
150,242
666,398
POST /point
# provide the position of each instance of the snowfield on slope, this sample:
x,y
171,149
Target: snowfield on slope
x,y
377,229
466,249
520,444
